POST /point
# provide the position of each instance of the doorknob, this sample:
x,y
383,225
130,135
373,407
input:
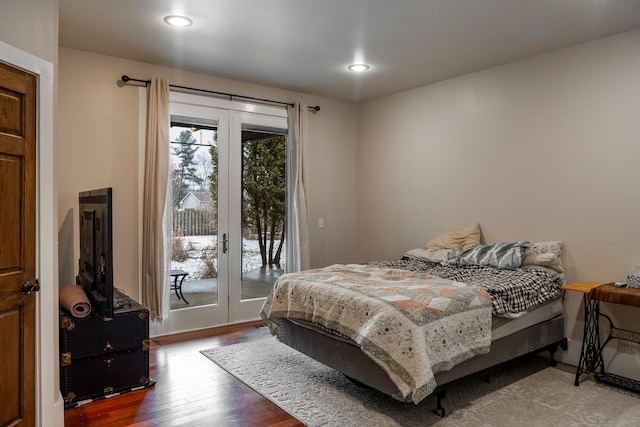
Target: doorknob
x,y
28,287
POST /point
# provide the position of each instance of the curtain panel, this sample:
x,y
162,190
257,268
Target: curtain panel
x,y
298,254
154,270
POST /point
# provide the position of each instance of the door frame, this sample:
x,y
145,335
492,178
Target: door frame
x,y
49,403
170,326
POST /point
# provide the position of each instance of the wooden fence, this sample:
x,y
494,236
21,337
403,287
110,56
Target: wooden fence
x,y
194,223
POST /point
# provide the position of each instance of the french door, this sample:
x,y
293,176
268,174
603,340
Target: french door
x,y
215,145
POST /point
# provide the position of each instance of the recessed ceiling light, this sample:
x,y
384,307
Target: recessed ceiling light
x,y
358,67
178,21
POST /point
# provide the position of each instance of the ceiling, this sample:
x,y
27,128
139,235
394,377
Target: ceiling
x,y
306,45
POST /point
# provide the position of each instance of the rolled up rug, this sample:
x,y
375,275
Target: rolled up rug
x,y
74,299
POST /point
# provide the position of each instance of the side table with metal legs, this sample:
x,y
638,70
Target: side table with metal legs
x,y
591,354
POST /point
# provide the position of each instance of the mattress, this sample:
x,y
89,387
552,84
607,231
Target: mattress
x,y
501,326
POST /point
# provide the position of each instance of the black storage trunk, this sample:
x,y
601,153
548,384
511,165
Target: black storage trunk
x,y
102,356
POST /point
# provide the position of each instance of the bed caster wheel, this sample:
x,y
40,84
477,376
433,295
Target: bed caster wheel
x,y
439,411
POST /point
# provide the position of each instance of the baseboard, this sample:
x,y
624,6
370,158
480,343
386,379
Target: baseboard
x,y
615,360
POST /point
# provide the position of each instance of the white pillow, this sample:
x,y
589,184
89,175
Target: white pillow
x,y
546,254
440,256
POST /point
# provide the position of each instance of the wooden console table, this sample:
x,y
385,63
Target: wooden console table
x,y
591,354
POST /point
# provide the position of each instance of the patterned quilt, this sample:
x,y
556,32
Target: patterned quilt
x,y
410,323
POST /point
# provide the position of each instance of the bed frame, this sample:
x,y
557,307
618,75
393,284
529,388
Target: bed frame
x,y
346,357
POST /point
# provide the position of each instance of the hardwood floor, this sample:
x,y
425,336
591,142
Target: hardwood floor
x,y
190,389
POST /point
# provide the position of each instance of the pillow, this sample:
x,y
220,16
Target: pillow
x,y
460,239
546,254
439,256
500,255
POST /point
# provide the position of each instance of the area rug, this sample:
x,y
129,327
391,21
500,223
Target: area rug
x,y
524,394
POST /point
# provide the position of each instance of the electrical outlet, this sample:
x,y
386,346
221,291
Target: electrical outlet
x,y
628,347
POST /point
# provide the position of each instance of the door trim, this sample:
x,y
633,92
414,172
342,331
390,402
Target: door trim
x,y
49,404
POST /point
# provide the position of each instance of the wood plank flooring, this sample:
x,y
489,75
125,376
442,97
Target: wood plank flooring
x,y
190,390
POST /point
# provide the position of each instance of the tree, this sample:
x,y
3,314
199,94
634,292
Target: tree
x,y
213,177
263,193
185,173
264,178
203,169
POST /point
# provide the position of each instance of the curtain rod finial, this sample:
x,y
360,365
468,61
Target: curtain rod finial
x,y
124,78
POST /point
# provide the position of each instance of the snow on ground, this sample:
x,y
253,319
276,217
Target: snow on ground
x,y
250,254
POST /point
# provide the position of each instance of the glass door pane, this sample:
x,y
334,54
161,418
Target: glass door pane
x,y
194,243
263,210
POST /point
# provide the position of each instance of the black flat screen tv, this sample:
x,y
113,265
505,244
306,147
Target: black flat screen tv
x,y
95,272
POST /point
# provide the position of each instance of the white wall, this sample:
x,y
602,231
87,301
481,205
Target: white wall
x,y
29,40
98,122
32,26
541,149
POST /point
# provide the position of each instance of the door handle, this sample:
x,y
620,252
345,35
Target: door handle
x,y
224,243
28,287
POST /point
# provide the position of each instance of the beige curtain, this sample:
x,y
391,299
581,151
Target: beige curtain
x,y
298,254
155,190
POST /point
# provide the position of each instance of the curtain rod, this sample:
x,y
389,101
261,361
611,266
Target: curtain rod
x,y
126,79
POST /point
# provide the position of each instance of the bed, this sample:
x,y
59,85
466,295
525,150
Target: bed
x,y
409,327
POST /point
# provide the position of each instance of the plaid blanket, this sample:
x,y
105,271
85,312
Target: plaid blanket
x,y
512,291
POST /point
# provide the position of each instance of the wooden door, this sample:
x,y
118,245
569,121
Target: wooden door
x,y
17,246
